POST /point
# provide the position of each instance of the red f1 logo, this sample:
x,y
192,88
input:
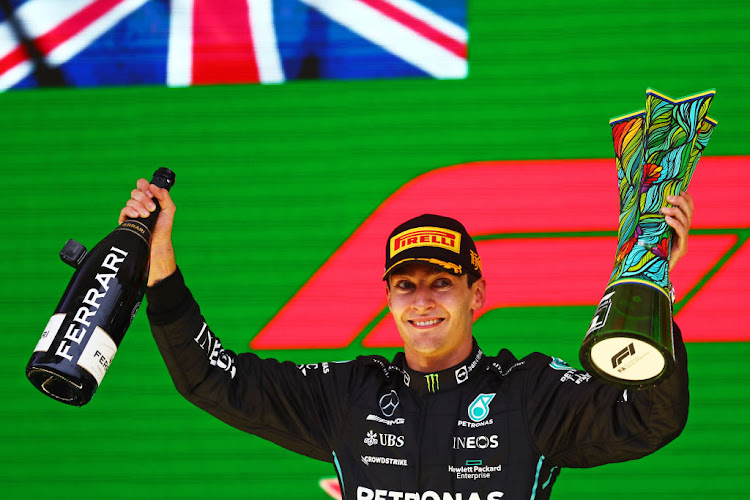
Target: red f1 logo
x,y
538,228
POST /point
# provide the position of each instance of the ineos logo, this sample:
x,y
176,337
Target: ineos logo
x,y
475,442
388,403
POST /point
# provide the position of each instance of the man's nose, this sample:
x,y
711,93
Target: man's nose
x,y
423,299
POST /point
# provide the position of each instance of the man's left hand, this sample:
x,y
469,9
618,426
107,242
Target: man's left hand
x,y
678,217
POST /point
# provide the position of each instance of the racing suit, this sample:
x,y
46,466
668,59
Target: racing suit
x,y
488,428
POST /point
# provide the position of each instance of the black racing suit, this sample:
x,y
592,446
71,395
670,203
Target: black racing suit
x,y
488,428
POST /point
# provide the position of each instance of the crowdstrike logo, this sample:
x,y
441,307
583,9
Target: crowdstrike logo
x,y
367,460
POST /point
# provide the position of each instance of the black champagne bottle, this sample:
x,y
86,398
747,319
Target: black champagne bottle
x,y
100,302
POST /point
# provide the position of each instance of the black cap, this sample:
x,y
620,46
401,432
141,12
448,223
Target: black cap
x,y
436,240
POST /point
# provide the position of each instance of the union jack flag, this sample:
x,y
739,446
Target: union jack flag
x,y
197,42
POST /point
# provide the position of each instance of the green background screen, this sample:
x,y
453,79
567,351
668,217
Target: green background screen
x,y
272,179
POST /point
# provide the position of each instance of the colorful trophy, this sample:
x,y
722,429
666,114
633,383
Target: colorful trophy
x,y
630,342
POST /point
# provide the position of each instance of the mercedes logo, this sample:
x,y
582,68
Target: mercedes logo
x,y
388,403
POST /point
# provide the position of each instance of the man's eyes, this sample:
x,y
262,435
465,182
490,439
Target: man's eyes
x,y
438,283
405,285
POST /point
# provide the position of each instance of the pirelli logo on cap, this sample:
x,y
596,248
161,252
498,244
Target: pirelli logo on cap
x,y
426,237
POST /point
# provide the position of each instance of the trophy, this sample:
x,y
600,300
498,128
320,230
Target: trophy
x,y
630,341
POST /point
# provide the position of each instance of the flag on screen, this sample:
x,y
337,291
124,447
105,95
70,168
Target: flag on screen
x,y
86,43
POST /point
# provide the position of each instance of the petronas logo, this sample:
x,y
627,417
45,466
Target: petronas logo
x,y
433,382
480,407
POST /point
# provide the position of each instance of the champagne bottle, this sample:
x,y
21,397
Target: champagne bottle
x,y
100,302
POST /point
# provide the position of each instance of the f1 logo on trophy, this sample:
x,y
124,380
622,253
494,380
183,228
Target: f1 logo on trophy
x,y
630,340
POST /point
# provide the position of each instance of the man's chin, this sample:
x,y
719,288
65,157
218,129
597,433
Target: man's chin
x,y
427,345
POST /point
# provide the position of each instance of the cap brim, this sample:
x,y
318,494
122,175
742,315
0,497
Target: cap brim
x,y
446,266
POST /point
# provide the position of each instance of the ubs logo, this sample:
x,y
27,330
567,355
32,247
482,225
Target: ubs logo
x,y
383,439
388,403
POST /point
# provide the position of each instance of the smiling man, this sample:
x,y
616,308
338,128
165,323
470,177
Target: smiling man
x,y
429,263
442,420
433,311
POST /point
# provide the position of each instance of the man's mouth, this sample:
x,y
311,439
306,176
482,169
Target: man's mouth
x,y
425,323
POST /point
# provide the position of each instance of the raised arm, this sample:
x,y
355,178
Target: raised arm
x,y
140,204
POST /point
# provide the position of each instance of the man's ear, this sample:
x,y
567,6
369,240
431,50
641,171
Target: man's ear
x,y
388,293
479,291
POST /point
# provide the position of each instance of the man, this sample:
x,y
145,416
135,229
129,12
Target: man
x,y
442,420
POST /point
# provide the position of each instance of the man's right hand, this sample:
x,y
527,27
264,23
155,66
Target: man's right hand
x,y
141,204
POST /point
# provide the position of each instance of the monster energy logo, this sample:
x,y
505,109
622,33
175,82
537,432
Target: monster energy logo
x,y
433,382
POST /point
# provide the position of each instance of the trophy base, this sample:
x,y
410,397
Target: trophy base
x,y
627,361
630,341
